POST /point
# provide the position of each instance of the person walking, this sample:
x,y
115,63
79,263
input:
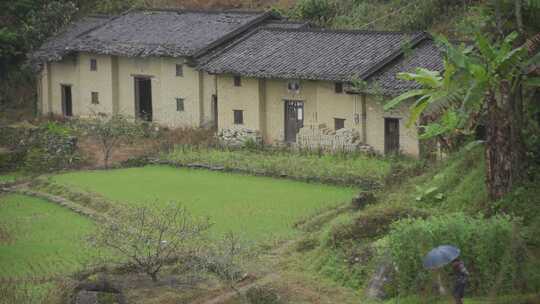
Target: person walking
x,y
461,276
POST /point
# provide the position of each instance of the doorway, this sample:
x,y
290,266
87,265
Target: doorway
x,y
294,119
143,98
67,102
215,111
391,135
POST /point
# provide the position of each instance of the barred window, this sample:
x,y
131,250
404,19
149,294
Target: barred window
x,y
179,70
339,123
238,117
237,81
95,98
338,87
180,104
93,64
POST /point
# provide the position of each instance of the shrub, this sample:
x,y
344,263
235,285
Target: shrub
x,y
320,11
491,249
370,224
225,259
262,295
187,137
111,131
47,147
150,236
307,243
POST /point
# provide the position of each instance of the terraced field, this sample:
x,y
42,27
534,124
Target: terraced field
x,y
40,238
256,208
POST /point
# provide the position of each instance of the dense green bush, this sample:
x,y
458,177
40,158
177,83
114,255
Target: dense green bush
x,y
262,295
492,250
370,224
319,11
47,147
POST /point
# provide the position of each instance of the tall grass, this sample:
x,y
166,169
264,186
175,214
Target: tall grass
x,y
347,169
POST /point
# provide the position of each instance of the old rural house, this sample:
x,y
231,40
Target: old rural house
x,y
250,75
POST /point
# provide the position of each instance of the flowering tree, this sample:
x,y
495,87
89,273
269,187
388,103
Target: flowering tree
x,y
150,236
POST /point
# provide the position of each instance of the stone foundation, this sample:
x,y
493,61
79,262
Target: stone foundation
x,y
238,137
321,137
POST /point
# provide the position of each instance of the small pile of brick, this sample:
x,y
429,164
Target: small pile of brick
x,y
238,137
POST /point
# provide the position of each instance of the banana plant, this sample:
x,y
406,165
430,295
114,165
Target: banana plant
x,y
457,95
485,82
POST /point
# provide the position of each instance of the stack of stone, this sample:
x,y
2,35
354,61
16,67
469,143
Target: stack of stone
x,y
328,139
238,137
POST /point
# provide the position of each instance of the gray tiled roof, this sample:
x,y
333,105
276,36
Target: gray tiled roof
x,y
55,47
270,24
154,33
308,53
425,55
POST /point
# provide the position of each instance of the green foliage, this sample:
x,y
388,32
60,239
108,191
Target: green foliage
x,y
345,169
26,25
251,144
522,202
116,6
112,131
460,182
318,11
263,295
492,249
456,98
50,146
369,225
395,14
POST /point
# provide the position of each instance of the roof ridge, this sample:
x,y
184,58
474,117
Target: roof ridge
x,y
101,16
206,11
233,34
111,18
344,31
228,47
394,55
290,21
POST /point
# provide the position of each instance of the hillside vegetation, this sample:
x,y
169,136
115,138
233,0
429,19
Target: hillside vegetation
x,y
446,204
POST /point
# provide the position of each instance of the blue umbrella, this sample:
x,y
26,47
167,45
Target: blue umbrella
x,y
440,256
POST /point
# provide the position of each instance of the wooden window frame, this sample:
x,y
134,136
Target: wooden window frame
x,y
93,64
338,87
94,98
237,80
180,104
293,86
238,117
339,123
179,70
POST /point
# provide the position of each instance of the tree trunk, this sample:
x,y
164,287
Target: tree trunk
x,y
504,145
519,15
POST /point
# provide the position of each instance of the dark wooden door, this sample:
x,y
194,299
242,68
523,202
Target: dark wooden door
x,y
215,110
67,101
294,119
143,98
391,135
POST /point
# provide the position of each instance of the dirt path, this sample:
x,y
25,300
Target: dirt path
x,y
224,297
272,258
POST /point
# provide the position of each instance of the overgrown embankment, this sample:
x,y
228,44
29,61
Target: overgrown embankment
x,y
445,205
343,168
